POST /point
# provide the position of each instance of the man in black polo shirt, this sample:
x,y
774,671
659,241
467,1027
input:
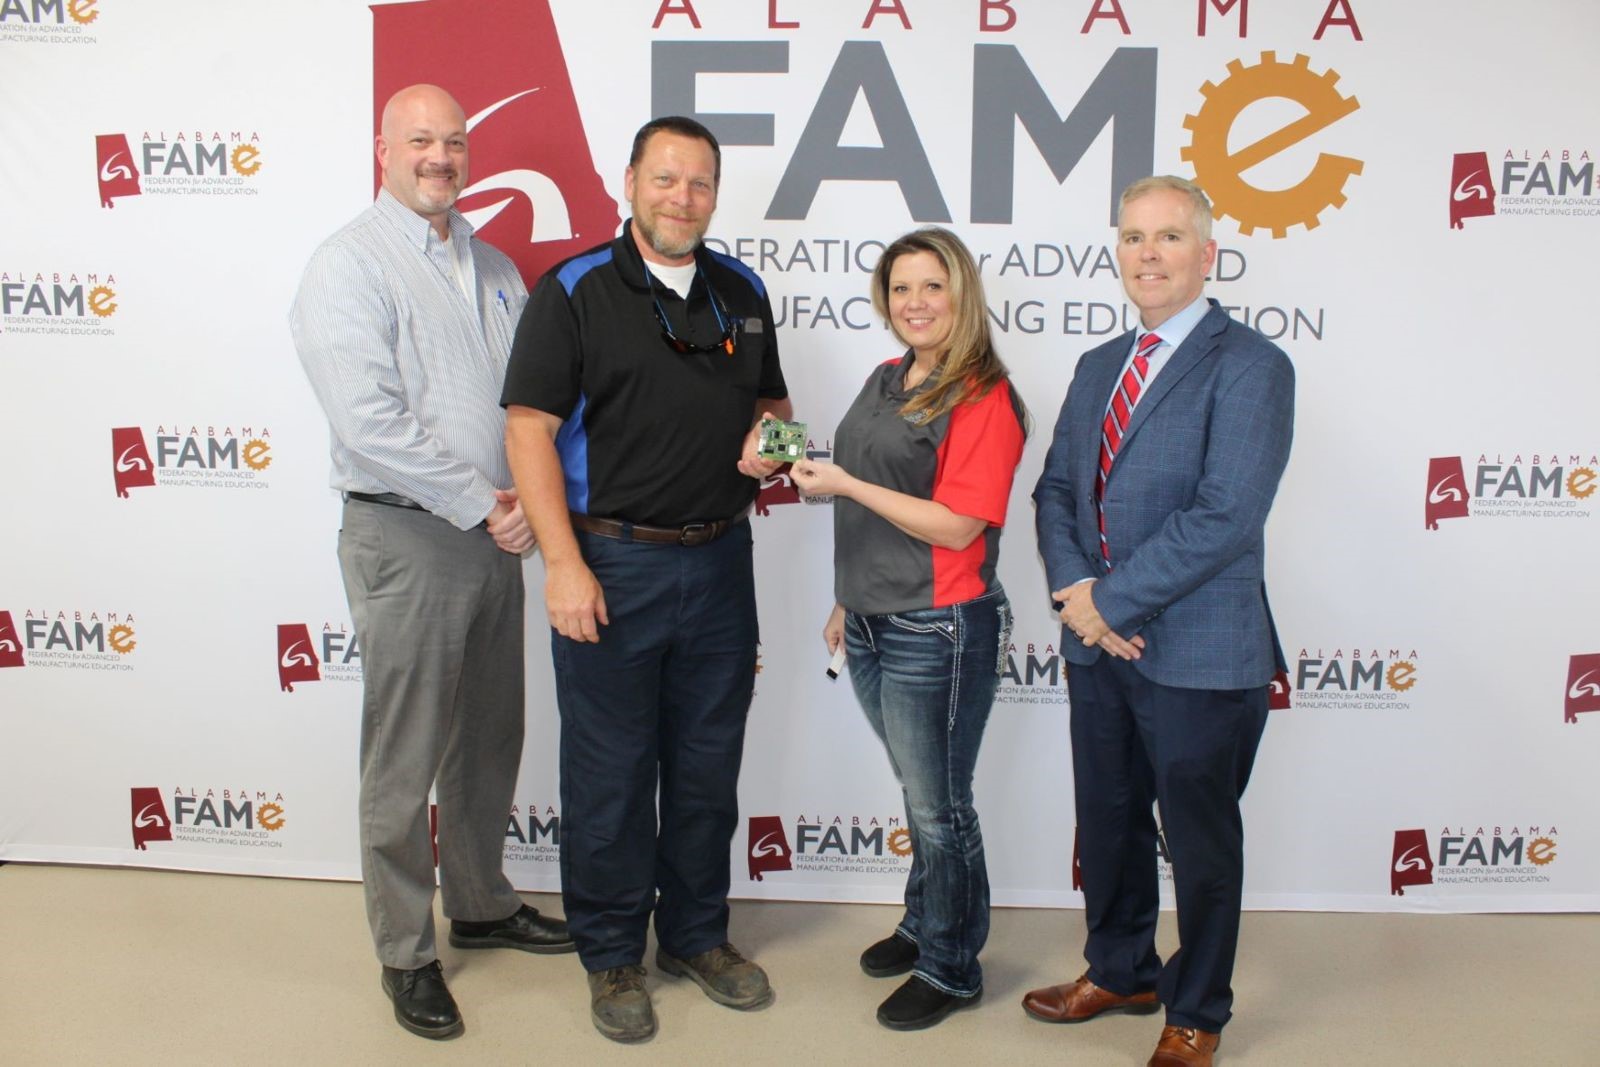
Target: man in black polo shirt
x,y
638,373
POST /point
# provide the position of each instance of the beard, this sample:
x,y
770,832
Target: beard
x,y
442,200
663,245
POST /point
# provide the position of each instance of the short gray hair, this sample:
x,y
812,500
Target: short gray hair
x,y
1201,205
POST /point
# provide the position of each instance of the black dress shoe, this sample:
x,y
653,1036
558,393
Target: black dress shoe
x,y
525,928
918,1005
422,1003
889,957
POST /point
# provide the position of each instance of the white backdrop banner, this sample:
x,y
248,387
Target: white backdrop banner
x,y
1406,197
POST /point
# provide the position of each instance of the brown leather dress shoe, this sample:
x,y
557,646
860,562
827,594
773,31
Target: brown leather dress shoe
x,y
1182,1047
1082,1000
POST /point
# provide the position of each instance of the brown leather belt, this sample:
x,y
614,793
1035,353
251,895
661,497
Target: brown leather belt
x,y
690,536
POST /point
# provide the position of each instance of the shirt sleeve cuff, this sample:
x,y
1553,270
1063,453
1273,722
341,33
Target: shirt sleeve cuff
x,y
472,507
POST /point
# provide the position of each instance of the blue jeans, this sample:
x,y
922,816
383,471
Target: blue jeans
x,y
926,680
652,731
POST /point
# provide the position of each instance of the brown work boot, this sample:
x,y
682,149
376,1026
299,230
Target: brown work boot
x,y
726,976
619,1005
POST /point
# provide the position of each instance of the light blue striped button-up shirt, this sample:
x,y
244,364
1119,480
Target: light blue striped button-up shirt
x,y
406,368
1172,332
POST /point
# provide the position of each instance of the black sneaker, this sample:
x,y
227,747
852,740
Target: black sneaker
x,y
422,1002
893,955
916,1005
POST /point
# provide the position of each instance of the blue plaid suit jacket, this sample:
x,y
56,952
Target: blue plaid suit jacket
x,y
1186,503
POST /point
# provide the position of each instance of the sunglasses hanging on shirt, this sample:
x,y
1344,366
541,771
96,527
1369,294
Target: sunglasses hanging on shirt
x,y
727,322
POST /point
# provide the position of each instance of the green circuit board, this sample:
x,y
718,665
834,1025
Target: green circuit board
x,y
782,441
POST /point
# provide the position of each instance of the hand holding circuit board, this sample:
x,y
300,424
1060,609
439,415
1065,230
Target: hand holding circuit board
x,y
783,442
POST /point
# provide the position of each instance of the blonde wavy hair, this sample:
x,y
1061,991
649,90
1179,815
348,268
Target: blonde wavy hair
x,y
969,366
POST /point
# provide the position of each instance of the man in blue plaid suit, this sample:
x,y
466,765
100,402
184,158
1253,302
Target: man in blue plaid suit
x,y
1151,509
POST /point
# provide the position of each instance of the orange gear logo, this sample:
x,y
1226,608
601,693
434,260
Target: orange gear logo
x,y
1541,850
82,12
1580,483
900,841
121,640
269,816
1401,675
1219,171
257,454
246,159
103,301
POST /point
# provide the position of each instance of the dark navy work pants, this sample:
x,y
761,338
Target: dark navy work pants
x,y
660,700
1190,751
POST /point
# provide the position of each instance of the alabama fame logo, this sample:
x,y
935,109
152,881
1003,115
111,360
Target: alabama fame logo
x,y
534,192
244,818
1583,685
50,21
842,844
1515,485
199,457
1547,182
59,302
1348,678
57,638
181,162
1487,855
334,655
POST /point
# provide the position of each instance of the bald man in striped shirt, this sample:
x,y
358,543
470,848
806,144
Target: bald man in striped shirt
x,y
403,322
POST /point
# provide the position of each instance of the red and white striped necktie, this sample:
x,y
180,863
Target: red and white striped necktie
x,y
1118,414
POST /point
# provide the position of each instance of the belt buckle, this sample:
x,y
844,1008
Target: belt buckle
x,y
695,533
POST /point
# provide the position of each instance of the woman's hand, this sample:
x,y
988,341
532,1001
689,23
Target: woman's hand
x,y
833,631
816,478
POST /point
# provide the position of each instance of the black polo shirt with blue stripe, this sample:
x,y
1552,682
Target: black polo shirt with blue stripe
x,y
649,435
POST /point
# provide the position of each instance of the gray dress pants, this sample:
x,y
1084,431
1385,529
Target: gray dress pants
x,y
438,613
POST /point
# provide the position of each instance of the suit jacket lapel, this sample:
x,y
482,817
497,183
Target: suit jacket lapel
x,y
1200,343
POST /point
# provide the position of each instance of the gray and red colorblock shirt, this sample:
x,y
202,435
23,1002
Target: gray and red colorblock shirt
x,y
965,460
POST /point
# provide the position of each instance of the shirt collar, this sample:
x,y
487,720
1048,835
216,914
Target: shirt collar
x,y
414,226
638,276
895,382
1175,330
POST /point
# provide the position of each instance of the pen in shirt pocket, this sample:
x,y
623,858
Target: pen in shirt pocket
x,y
500,295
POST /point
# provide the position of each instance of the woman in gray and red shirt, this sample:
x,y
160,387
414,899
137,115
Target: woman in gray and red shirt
x,y
924,462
